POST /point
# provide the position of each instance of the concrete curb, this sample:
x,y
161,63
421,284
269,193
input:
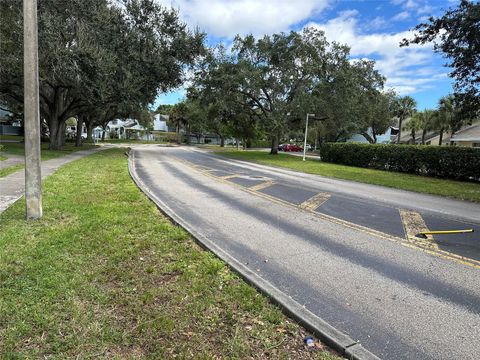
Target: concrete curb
x,y
324,331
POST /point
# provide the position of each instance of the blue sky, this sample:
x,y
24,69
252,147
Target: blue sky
x,y
372,28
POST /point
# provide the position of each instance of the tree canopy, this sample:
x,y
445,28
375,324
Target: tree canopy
x,y
456,35
97,58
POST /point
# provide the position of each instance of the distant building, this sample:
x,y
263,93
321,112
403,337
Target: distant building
x,y
468,137
8,125
124,129
160,123
386,138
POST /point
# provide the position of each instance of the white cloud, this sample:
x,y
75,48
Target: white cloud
x,y
408,69
427,9
378,23
227,18
401,16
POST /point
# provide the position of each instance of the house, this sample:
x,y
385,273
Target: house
x,y
467,137
160,122
126,129
8,125
386,138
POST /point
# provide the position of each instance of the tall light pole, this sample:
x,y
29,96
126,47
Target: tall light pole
x,y
306,131
33,175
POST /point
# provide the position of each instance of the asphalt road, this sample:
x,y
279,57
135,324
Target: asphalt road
x,y
346,251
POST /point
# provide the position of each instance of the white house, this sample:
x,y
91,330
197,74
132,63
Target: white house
x,y
118,128
160,122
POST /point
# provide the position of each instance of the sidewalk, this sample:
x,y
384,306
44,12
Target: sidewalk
x,y
12,186
12,160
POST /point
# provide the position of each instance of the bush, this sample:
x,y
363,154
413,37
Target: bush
x,y
167,136
2,147
440,161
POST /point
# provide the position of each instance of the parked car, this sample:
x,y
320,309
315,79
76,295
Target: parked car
x,y
292,147
280,147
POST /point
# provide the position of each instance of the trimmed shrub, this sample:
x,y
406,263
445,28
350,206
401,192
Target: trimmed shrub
x,y
451,162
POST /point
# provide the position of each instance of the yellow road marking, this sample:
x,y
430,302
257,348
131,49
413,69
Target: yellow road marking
x,y
261,185
229,176
315,201
414,224
412,245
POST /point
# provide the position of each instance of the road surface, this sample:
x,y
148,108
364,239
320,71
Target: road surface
x,y
345,251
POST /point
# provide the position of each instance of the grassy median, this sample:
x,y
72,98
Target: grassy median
x,y
104,275
450,188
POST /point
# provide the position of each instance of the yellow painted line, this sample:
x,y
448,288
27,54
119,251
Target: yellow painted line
x,y
261,185
229,176
412,245
414,224
315,201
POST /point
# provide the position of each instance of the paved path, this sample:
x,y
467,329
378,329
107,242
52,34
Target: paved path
x,y
11,160
12,187
340,249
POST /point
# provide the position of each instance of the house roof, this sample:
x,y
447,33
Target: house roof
x,y
471,133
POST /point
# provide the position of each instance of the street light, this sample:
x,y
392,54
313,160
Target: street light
x,y
305,142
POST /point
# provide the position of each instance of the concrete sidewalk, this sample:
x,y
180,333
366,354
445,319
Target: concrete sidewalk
x,y
12,187
12,160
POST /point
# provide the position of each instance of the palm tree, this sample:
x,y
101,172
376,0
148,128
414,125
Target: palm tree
x,y
415,123
405,107
446,116
427,122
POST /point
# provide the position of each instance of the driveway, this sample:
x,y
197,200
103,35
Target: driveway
x,y
345,251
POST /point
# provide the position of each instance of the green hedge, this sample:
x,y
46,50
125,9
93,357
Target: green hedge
x,y
440,161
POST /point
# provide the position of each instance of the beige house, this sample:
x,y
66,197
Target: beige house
x,y
468,136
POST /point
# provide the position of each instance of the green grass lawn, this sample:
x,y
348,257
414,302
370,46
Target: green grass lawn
x,y
104,275
450,188
46,154
10,170
3,158
11,137
19,149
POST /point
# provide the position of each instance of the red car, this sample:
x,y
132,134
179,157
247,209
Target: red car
x,y
292,147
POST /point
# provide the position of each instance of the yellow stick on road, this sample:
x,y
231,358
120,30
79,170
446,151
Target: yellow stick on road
x,y
446,232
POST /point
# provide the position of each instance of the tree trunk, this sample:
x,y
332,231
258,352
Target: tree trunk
x,y
400,120
89,123
274,149
424,133
222,141
367,136
78,138
104,127
56,138
440,138
63,134
413,136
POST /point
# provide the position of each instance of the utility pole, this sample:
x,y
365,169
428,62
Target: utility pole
x,y
33,175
